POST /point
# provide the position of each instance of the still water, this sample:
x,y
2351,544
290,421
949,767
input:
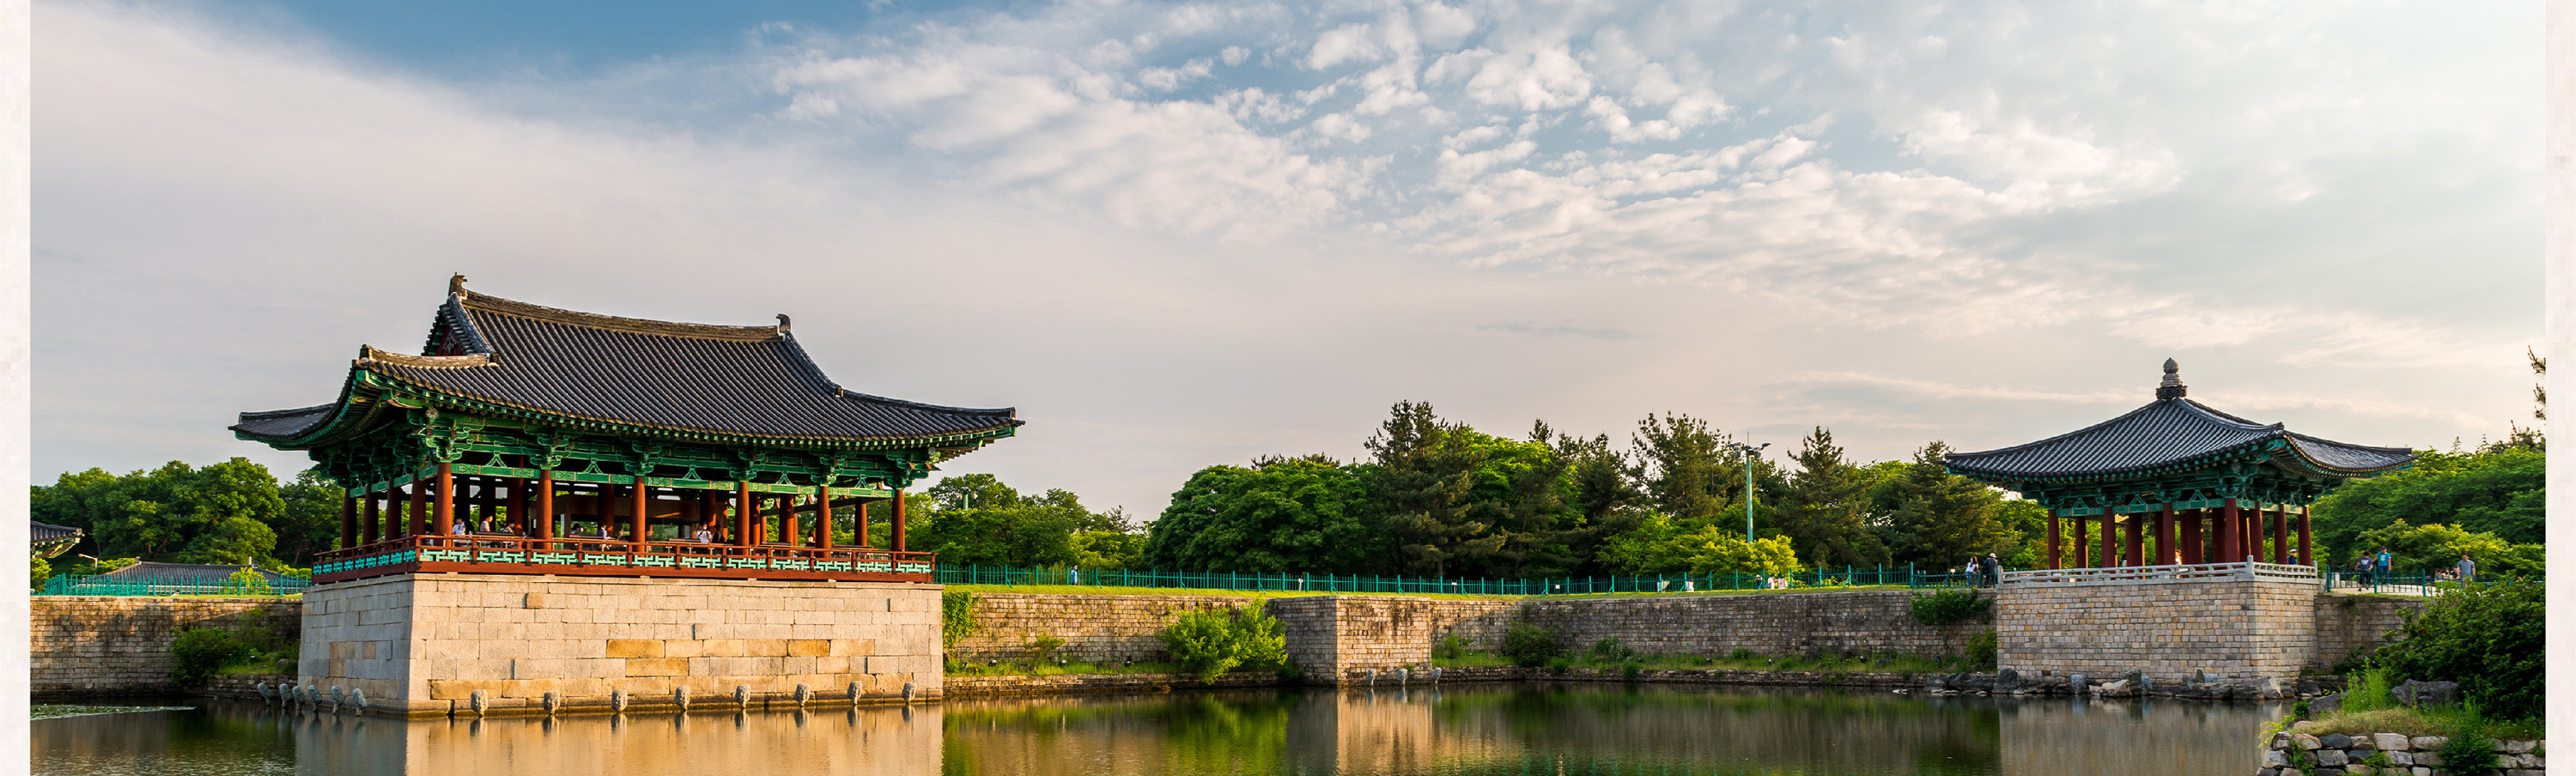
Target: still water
x,y
1457,730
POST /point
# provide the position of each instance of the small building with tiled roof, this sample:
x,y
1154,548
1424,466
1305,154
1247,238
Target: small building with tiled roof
x,y
690,449
51,540
2212,484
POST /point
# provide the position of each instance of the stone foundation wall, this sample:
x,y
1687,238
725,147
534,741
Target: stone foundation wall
x,y
424,644
2350,624
1094,628
2237,629
1771,624
80,645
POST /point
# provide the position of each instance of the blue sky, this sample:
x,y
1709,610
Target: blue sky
x,y
1183,234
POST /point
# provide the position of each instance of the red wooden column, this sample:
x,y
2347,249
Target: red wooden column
x,y
742,517
859,523
643,498
2110,536
2281,533
348,520
898,520
823,515
2305,555
787,519
2137,540
2191,528
444,519
2052,539
419,508
2166,550
543,526
367,522
2230,525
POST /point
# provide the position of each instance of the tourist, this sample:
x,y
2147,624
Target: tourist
x,y
1994,571
703,536
2383,568
1074,576
2467,571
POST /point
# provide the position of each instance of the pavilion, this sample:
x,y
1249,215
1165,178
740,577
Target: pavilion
x,y
534,440
2211,487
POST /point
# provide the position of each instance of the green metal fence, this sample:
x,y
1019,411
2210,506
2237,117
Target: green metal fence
x,y
2419,582
102,585
1848,576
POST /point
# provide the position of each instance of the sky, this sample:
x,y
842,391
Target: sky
x,y
1178,235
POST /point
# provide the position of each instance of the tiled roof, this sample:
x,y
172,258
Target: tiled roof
x,y
752,381
47,532
2167,432
184,571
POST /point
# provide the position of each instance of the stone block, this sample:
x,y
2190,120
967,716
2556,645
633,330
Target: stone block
x,y
633,648
2427,743
2391,742
2332,758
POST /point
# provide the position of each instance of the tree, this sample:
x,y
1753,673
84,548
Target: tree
x,y
219,514
1003,527
2499,490
1824,510
1662,544
1280,515
2438,546
1931,516
1425,473
310,523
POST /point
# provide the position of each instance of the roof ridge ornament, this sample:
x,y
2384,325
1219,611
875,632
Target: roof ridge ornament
x,y
783,325
456,285
2172,387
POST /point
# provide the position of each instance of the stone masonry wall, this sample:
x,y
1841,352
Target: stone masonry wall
x,y
423,644
1094,628
121,644
2238,629
2348,624
1771,624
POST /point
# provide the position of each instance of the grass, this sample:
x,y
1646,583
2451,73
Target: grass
x,y
1880,663
2414,722
54,711
1067,669
1119,590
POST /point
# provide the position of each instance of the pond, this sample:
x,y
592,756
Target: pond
x,y
1456,730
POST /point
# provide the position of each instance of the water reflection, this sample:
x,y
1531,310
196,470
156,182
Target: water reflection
x,y
1452,731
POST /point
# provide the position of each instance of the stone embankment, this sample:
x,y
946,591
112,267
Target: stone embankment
x,y
2133,684
110,645
2294,753
1086,684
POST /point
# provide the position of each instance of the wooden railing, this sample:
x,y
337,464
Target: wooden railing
x,y
2135,575
478,554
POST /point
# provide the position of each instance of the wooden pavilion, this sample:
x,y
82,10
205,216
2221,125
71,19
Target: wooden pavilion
x,y
2211,487
528,439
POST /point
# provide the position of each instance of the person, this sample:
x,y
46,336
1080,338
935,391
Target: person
x,y
703,536
458,528
2383,568
2361,567
1994,571
2467,570
1074,576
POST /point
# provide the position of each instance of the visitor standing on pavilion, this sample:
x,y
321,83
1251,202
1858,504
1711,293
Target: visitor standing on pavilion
x,y
2468,569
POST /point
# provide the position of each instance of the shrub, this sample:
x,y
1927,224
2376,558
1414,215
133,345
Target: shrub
x,y
2487,637
1531,646
1449,647
1947,606
2468,750
41,569
1043,647
1612,651
250,582
956,618
199,652
1981,649
1210,642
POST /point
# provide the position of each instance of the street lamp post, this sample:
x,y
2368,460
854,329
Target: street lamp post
x,y
1745,458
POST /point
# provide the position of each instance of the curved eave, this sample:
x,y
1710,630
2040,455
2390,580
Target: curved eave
x,y
2296,461
631,428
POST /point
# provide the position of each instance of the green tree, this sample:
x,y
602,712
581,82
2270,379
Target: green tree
x,y
1426,472
1003,527
219,514
310,523
1932,517
2489,637
1824,510
1664,545
1279,515
2499,491
2437,546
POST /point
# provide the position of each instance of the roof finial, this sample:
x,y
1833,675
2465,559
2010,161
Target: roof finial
x,y
456,284
782,322
2172,387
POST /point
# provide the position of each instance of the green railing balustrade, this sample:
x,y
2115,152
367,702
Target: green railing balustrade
x,y
170,586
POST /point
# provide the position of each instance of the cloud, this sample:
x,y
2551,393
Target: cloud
x,y
1560,330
